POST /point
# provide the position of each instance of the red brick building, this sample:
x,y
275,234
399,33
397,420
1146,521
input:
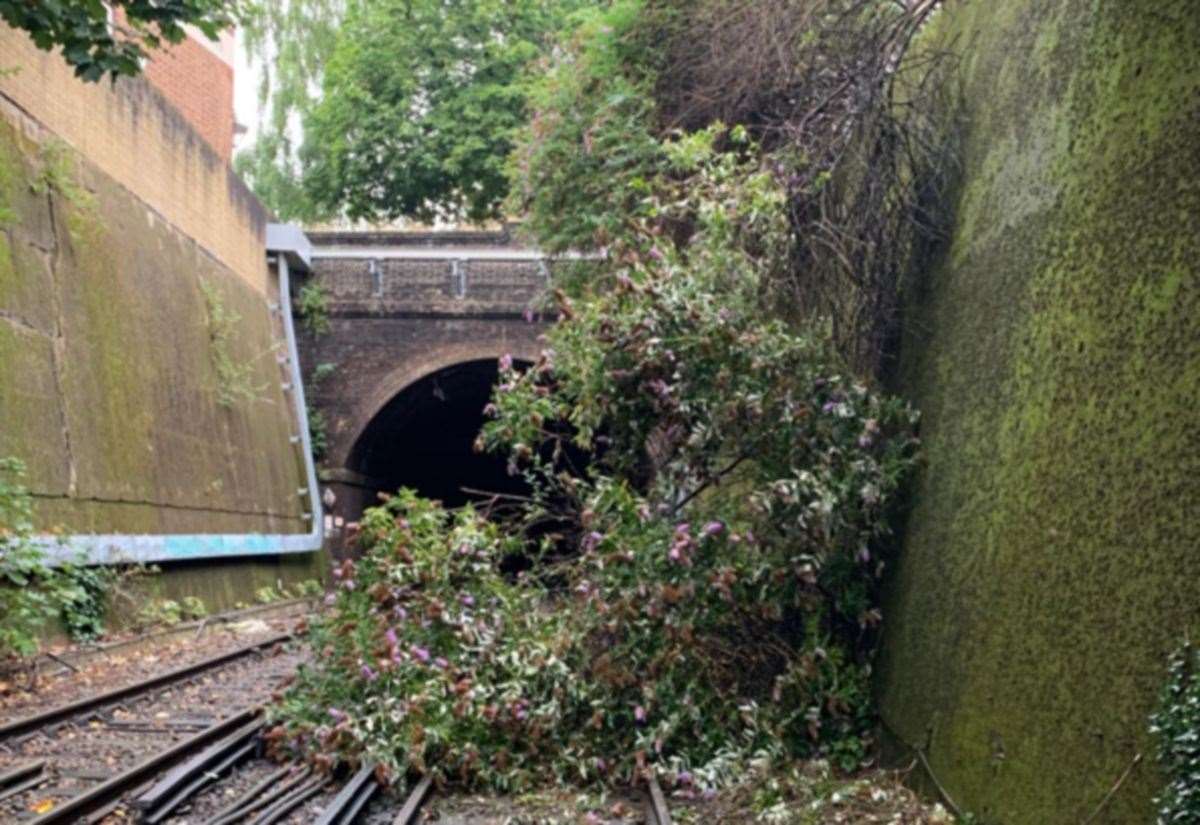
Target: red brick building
x,y
196,76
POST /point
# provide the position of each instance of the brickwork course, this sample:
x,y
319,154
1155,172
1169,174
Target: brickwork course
x,y
199,84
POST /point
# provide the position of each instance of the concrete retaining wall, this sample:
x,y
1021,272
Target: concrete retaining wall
x,y
115,221
1051,561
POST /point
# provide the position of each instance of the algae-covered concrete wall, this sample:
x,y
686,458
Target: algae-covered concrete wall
x,y
139,379
1053,554
108,367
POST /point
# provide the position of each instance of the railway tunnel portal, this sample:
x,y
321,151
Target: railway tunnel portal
x,y
399,376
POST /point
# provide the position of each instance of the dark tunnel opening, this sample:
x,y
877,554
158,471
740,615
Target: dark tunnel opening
x,y
424,438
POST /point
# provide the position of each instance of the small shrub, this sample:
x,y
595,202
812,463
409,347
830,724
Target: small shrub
x,y
27,584
321,372
235,378
165,612
193,607
266,595
318,432
1176,726
312,304
307,589
84,606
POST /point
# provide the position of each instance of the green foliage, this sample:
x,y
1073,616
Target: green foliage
x,y
420,101
291,41
812,83
268,594
94,46
1176,726
235,378
26,583
590,149
307,589
318,432
312,304
706,591
193,607
58,175
321,372
160,612
318,425
85,603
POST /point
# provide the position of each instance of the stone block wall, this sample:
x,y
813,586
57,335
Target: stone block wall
x,y
122,238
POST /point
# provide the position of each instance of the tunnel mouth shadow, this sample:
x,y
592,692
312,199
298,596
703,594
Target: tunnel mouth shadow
x,y
424,438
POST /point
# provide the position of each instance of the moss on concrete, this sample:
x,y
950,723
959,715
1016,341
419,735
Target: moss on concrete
x,y
1050,561
106,384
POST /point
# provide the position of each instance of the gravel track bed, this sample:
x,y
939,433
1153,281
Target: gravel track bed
x,y
82,752
135,664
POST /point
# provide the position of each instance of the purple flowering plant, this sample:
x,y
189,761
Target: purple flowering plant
x,y
714,586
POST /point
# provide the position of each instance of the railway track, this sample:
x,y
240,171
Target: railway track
x,y
76,762
186,747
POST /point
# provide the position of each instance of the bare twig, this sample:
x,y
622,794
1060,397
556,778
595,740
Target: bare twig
x,y
62,662
1113,790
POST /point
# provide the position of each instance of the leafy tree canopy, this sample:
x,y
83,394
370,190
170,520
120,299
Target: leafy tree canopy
x,y
95,44
291,40
420,101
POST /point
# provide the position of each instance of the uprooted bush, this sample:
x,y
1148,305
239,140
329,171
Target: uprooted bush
x,y
704,589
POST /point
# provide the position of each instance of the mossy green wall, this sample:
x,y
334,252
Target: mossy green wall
x,y
108,380
1053,555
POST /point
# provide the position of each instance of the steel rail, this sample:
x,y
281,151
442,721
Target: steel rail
x,y
250,795
190,790
9,777
359,802
181,782
412,807
100,795
657,812
254,801
345,797
48,717
292,800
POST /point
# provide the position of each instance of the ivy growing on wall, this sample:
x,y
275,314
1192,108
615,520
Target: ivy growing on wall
x,y
1176,726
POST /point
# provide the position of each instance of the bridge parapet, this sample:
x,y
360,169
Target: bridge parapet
x,y
454,284
442,273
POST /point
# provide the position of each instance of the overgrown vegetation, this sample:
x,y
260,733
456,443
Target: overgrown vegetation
x,y
703,590
318,425
32,591
58,175
86,600
169,612
26,582
1176,726
312,304
235,378
847,136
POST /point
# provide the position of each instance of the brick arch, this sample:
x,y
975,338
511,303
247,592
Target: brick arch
x,y
404,376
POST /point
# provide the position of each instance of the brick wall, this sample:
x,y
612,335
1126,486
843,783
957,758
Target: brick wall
x,y
200,85
130,132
